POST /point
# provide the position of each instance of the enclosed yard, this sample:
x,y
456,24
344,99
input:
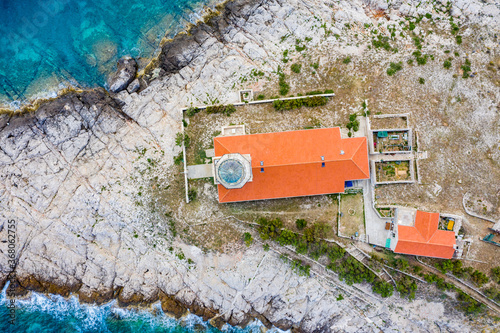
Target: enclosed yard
x,y
391,141
352,216
393,171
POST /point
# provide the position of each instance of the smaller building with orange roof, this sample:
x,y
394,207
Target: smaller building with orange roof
x,y
424,238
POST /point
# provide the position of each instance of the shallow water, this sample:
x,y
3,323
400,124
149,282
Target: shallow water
x,y
48,44
43,314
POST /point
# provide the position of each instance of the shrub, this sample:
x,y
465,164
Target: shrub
x,y
459,39
224,109
284,86
421,80
495,272
179,139
479,278
266,247
287,237
269,229
300,48
315,232
296,68
314,92
301,224
447,64
191,111
299,102
247,237
328,91
393,68
314,65
346,60
406,287
192,194
179,159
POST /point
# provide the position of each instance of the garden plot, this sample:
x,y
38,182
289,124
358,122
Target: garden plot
x,y
393,171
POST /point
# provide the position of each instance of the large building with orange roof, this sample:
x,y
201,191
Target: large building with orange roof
x,y
287,164
424,238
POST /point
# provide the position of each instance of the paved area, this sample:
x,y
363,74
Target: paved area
x,y
375,226
200,171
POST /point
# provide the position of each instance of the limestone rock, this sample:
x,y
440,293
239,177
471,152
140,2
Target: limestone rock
x,y
125,74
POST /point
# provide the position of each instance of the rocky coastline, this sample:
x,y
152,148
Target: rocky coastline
x,y
70,172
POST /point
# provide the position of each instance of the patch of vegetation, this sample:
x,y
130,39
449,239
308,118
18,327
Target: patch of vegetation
x,y
179,158
247,237
406,286
393,68
447,64
353,123
421,59
301,224
385,289
495,274
296,68
315,65
261,97
421,80
285,56
459,40
191,111
299,102
192,194
466,69
224,109
346,60
179,139
284,86
382,42
266,247
298,47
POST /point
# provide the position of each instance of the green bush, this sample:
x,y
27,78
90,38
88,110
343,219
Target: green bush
x,y
346,60
296,68
406,287
393,68
247,237
447,64
261,97
179,139
328,91
421,80
224,109
459,39
192,194
495,274
284,86
314,65
301,224
299,102
385,289
269,229
479,278
266,247
191,111
314,92
179,159
287,237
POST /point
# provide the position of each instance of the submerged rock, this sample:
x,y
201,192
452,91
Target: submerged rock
x,y
125,74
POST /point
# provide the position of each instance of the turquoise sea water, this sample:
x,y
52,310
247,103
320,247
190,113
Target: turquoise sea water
x,y
54,314
46,44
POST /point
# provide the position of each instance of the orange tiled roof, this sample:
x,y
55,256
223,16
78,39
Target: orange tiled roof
x,y
292,163
424,239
